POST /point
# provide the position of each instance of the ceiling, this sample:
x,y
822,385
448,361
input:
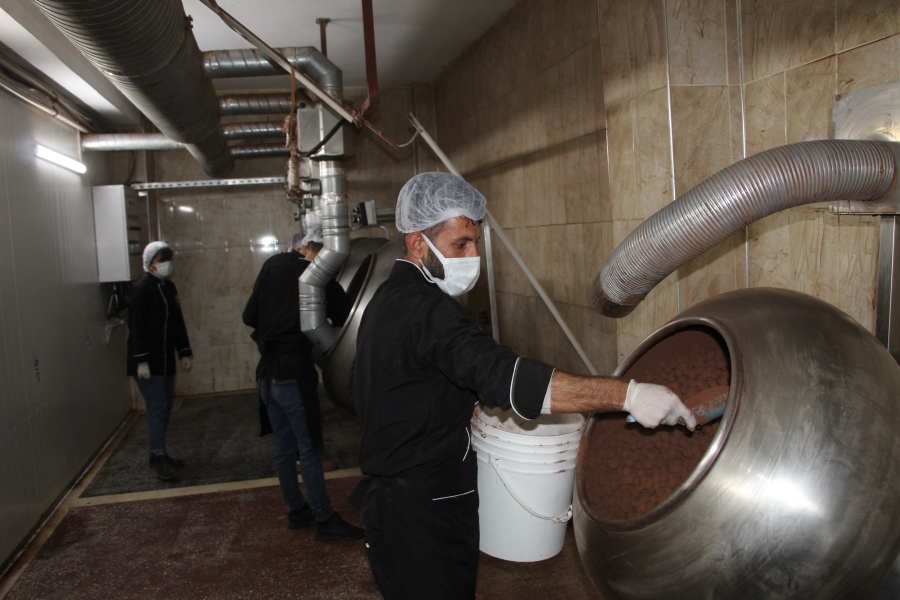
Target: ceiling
x,y
414,39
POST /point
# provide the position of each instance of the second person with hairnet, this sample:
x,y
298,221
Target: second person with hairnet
x,y
422,362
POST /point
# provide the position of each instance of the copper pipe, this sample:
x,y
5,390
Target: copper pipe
x,y
371,64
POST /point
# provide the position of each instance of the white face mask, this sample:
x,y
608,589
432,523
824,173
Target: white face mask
x,y
460,274
164,269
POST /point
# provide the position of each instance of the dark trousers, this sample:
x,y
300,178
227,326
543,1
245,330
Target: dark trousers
x,y
158,393
422,536
284,400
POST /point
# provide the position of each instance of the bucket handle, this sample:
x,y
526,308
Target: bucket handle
x,y
495,462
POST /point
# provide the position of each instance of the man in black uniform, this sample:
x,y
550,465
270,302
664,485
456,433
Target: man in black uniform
x,y
422,363
287,380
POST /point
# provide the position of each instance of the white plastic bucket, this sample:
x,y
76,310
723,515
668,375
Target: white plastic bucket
x,y
526,470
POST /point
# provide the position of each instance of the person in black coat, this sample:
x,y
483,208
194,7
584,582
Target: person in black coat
x,y
157,340
287,380
422,362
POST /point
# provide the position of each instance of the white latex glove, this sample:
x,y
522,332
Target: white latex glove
x,y
185,363
652,405
143,370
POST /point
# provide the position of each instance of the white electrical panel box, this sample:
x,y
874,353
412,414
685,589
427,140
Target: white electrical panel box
x,y
121,229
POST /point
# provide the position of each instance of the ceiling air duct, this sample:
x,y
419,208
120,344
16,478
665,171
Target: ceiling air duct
x,y
146,48
251,63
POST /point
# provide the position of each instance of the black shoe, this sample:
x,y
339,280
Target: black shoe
x,y
162,468
301,517
336,529
175,463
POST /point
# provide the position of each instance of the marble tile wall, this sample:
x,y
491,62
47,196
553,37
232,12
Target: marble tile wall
x,y
522,115
824,48
222,236
663,93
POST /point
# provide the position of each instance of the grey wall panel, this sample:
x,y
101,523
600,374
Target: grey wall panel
x,y
50,308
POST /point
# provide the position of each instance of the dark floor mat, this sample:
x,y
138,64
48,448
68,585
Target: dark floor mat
x,y
218,438
235,545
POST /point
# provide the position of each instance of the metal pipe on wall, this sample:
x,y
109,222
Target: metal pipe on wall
x,y
753,188
23,93
146,48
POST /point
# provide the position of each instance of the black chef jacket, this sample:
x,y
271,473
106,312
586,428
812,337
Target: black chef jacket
x,y
422,362
273,310
156,331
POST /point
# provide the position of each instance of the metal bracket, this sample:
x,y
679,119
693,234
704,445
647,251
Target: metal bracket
x,y
871,113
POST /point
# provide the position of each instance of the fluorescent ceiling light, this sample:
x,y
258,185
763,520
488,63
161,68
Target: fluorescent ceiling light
x,y
269,241
59,159
186,208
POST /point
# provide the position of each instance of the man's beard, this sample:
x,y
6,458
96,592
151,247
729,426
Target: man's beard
x,y
434,266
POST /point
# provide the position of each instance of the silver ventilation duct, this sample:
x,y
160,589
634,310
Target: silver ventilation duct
x,y
745,192
112,142
252,131
146,48
116,142
258,150
335,219
250,63
255,104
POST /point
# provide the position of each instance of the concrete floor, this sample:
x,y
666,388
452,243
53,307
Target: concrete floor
x,y
226,539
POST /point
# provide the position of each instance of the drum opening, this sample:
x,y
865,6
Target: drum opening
x,y
628,470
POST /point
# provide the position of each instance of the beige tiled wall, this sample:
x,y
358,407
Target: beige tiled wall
x,y
219,235
660,93
521,114
794,67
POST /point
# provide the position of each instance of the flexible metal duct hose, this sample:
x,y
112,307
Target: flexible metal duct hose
x,y
329,260
250,63
745,192
255,104
146,49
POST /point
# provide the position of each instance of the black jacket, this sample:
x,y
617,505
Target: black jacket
x,y
156,331
273,310
422,362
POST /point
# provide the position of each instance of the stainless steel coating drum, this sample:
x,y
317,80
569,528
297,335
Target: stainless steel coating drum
x,y
370,272
797,495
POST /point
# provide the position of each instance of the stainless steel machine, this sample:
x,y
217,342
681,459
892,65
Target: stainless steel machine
x,y
796,497
370,274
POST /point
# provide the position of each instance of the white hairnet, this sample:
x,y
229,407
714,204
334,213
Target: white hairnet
x,y
296,241
150,251
431,198
313,235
